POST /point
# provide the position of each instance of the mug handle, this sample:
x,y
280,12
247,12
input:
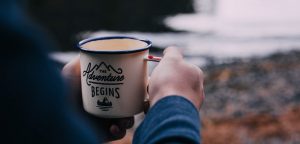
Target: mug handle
x,y
147,102
152,58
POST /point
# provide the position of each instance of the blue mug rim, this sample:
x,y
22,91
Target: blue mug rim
x,y
79,45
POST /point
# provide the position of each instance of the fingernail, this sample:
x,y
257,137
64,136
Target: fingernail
x,y
114,129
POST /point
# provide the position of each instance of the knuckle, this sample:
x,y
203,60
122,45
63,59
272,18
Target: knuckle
x,y
201,72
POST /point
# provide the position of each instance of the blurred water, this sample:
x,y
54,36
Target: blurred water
x,y
230,29
225,29
242,28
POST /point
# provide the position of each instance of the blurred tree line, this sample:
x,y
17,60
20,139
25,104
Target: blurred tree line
x,y
64,19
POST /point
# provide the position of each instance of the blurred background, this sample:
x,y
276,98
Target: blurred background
x,y
248,49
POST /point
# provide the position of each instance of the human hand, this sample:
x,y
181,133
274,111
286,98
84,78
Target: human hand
x,y
174,76
110,129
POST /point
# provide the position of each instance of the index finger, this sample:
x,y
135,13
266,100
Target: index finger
x,y
172,53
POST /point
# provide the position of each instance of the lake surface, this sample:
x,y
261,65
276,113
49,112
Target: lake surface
x,y
225,29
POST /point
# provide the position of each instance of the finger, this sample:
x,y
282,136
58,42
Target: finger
x,y
117,127
201,75
125,123
114,129
71,73
201,79
203,96
72,68
117,132
146,106
173,53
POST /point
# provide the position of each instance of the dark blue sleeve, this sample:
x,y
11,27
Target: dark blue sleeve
x,y
173,119
34,105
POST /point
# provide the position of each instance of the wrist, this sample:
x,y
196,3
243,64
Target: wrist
x,y
169,92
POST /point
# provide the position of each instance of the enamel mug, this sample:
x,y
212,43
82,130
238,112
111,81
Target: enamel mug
x,y
114,75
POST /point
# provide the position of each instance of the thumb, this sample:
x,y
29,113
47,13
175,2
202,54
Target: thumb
x,y
72,68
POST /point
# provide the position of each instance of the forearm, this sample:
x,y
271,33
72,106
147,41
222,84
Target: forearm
x,y
172,119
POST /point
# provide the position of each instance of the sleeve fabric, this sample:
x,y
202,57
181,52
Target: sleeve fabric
x,y
34,103
172,119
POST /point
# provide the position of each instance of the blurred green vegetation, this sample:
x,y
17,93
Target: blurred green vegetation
x,y
64,19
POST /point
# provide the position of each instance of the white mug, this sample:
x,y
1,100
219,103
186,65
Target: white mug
x,y
114,75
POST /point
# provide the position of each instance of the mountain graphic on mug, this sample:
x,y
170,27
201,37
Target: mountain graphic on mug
x,y
103,74
102,67
105,104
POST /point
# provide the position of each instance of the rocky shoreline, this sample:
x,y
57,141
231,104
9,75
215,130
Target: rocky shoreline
x,y
253,101
257,85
